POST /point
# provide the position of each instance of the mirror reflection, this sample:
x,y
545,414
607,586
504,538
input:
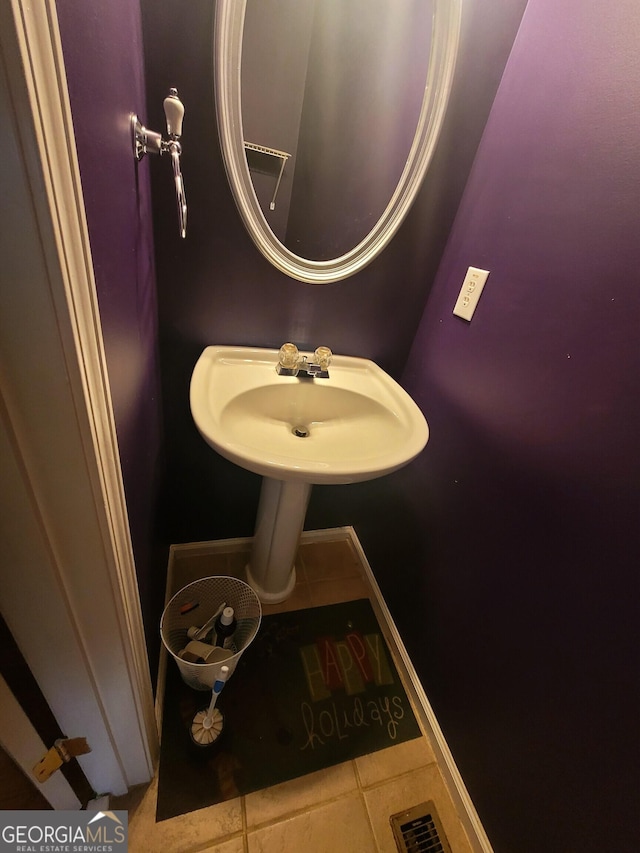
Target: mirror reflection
x,y
331,94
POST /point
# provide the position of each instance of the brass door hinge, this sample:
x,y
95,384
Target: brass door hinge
x,y
62,751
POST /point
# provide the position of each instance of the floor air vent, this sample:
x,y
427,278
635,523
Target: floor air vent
x,y
418,830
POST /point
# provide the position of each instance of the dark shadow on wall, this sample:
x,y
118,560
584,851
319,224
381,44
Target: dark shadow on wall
x,y
205,497
399,545
215,287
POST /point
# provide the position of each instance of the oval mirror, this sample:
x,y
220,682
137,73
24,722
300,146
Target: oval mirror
x,y
328,114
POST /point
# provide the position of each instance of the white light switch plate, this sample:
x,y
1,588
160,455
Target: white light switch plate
x,y
470,292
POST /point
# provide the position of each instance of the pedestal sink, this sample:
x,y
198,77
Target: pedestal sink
x,y
356,425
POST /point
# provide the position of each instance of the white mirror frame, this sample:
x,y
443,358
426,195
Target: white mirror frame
x,y
228,30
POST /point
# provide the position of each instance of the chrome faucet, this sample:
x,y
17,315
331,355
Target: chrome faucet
x,y
291,363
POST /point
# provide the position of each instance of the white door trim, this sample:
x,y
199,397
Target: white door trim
x,y
72,603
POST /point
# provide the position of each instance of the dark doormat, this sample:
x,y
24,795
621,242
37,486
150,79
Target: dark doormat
x,y
315,688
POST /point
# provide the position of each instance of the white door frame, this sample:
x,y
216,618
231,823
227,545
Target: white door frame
x,y
68,588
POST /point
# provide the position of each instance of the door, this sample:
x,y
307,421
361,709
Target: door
x,y
24,709
68,591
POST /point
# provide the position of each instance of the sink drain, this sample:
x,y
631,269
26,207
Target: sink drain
x,y
300,431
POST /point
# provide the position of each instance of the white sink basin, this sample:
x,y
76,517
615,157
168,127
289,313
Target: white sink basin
x,y
359,423
356,425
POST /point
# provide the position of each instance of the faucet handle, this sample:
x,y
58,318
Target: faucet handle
x,y
323,356
289,357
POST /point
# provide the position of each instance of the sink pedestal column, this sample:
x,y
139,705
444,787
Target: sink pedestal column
x,y
281,513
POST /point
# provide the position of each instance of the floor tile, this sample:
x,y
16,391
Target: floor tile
x,y
180,834
191,567
299,599
329,560
237,561
298,794
335,591
235,845
342,809
394,761
410,790
338,827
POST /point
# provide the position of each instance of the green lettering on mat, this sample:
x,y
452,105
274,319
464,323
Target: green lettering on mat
x,y
378,659
313,672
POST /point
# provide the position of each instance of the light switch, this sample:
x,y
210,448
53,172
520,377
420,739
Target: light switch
x,y
470,291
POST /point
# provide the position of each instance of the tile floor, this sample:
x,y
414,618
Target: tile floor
x,y
343,809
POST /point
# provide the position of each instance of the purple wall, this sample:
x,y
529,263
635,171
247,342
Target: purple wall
x,y
518,594
102,45
215,287
508,553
